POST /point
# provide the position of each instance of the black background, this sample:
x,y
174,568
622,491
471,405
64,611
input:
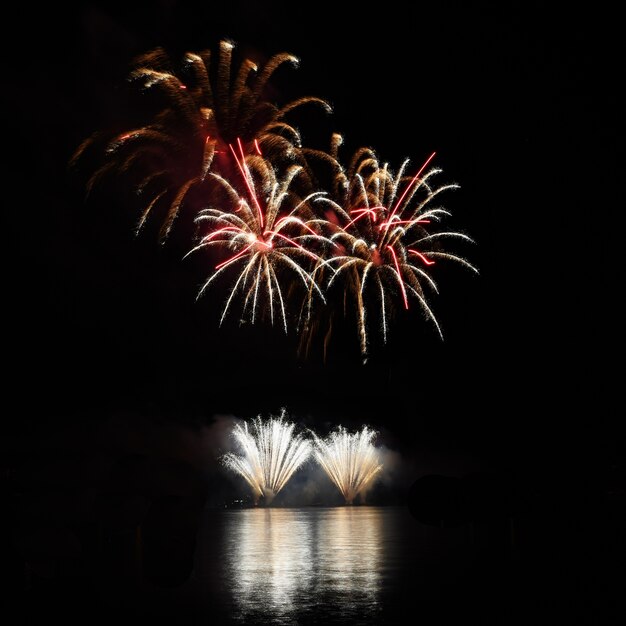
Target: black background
x,y
523,107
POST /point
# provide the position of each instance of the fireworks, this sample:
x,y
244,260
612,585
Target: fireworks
x,y
271,455
201,112
349,459
365,241
383,237
268,231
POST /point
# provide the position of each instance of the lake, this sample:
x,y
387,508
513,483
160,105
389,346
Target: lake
x,y
316,565
333,565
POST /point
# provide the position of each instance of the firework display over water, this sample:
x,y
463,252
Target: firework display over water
x,y
271,454
312,314
350,460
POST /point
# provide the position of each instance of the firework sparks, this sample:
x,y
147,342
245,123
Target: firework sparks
x,y
269,231
205,110
216,146
384,241
350,460
271,455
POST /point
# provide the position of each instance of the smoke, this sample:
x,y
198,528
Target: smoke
x,y
211,441
411,457
198,445
203,444
310,485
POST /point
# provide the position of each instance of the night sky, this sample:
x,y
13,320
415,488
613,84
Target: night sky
x,y
102,330
522,109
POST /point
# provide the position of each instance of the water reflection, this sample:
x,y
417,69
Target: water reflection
x,y
269,559
285,563
348,552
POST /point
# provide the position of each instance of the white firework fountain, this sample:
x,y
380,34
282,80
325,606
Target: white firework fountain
x,y
350,460
271,455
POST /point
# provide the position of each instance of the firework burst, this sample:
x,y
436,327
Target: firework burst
x,y
383,231
214,144
271,455
350,460
201,110
269,230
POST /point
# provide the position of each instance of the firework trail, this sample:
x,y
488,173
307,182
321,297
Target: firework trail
x,y
384,239
268,230
271,455
350,460
215,145
205,110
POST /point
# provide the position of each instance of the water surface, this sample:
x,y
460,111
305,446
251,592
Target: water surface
x,y
337,565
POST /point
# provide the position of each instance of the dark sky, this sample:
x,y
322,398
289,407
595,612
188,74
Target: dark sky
x,y
522,108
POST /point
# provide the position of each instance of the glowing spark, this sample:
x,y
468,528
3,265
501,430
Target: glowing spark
x,y
271,455
395,262
383,220
269,240
350,460
421,256
203,108
408,187
372,243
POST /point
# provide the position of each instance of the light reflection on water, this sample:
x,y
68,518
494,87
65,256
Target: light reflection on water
x,y
330,566
286,563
